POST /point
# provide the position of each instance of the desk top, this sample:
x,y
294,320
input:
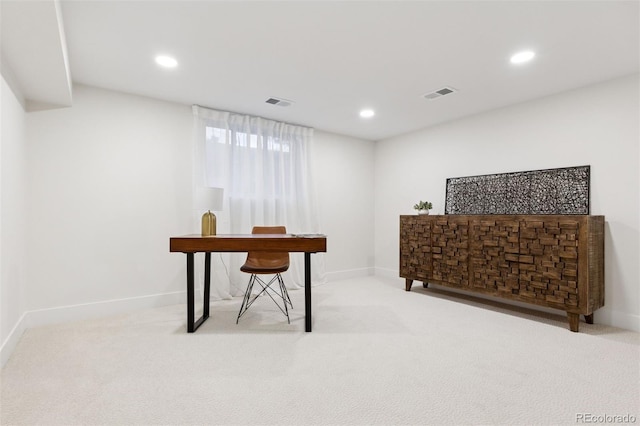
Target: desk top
x,y
308,243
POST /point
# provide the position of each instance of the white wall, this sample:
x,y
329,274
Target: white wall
x,y
111,182
596,125
13,210
344,175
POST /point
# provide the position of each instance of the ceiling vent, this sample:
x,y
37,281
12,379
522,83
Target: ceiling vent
x,y
440,93
279,102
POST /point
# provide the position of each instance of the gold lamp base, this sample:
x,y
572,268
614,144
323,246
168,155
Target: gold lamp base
x,y
208,224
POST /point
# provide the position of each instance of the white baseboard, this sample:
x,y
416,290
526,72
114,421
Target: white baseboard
x,y
12,340
61,314
348,274
617,319
387,273
105,308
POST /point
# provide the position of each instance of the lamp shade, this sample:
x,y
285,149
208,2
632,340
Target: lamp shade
x,y
209,198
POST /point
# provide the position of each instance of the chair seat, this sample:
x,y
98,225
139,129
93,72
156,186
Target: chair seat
x,y
263,269
258,265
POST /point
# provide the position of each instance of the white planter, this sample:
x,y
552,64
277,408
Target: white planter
x,y
423,211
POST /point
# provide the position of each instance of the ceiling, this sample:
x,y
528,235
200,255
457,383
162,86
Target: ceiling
x,y
34,57
333,58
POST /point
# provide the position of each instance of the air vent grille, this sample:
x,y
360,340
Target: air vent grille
x,y
279,102
439,93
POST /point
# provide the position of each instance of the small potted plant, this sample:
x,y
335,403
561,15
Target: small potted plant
x,y
423,207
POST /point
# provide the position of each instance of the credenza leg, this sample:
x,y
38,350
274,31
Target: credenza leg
x,y
588,319
425,284
407,284
574,321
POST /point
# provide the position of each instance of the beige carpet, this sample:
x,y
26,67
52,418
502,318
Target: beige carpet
x,y
377,355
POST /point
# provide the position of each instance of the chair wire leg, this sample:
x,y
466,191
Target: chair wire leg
x,y
283,294
247,295
266,289
284,290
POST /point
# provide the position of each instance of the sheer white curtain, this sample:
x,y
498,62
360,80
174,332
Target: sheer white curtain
x,y
264,168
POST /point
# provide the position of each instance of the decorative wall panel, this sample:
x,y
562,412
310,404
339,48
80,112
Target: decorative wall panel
x,y
551,191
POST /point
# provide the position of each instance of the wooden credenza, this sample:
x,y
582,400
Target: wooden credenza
x,y
555,261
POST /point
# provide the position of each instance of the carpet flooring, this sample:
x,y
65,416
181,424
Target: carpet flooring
x,y
377,356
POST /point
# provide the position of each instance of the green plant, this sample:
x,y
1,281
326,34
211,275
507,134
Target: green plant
x,y
423,205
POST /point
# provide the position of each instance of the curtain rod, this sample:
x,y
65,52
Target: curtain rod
x,y
250,115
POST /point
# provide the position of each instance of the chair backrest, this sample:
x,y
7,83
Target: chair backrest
x,y
269,230
270,259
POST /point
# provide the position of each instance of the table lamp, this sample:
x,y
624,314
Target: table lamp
x,y
209,199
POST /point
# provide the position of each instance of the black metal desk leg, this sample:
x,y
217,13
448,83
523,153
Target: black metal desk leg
x,y
190,293
307,292
192,324
207,284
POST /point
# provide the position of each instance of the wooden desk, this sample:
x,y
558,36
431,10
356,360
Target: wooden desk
x,y
191,244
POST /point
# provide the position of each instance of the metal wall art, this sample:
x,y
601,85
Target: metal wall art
x,y
550,191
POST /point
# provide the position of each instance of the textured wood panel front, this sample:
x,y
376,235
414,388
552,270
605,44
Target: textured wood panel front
x,y
495,255
549,260
450,251
415,247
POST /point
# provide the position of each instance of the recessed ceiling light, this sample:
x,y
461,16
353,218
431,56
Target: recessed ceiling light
x,y
522,57
367,113
166,61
